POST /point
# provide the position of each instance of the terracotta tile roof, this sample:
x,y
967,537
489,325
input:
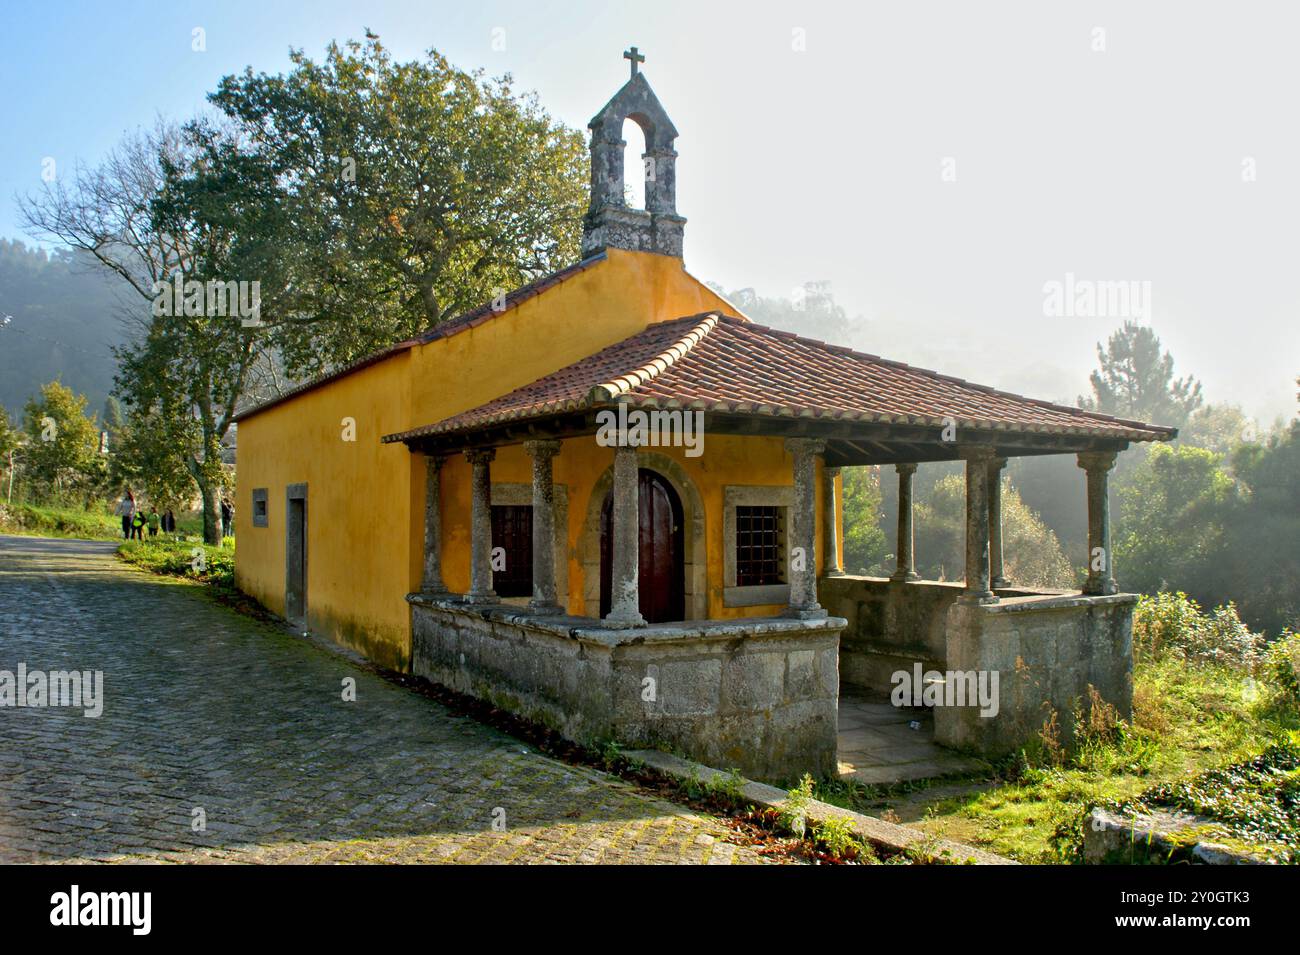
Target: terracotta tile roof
x,y
445,329
723,364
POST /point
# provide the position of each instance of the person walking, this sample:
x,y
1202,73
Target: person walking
x,y
169,522
137,525
227,518
126,510
153,520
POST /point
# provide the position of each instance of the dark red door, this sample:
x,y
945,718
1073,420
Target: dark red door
x,y
661,558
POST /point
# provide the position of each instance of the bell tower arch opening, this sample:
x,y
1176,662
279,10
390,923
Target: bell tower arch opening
x,y
637,166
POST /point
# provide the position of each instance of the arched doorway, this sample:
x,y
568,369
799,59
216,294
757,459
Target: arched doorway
x,y
661,558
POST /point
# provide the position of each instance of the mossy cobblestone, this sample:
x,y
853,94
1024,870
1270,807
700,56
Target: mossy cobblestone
x,y
207,709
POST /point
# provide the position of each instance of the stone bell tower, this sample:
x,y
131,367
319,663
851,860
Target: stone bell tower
x,y
610,222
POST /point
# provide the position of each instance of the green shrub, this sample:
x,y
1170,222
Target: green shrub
x,y
793,814
191,559
1172,624
835,835
1282,668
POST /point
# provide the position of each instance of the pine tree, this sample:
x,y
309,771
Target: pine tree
x,y
1135,380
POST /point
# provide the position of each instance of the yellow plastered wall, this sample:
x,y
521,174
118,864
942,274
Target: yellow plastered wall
x,y
365,500
364,549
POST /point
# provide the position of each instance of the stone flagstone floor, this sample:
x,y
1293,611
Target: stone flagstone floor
x,y
209,710
878,743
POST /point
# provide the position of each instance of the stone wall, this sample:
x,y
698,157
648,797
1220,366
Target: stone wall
x,y
758,695
1048,650
891,626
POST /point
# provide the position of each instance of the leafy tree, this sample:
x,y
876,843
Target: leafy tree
x,y
10,437
1135,380
865,544
145,459
1032,556
1170,532
368,199
184,378
1052,485
153,210
10,440
410,192
113,419
1261,536
1219,428
61,452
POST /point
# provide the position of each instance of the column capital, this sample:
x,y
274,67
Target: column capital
x,y
480,455
542,448
905,468
1097,460
798,446
997,464
832,472
435,461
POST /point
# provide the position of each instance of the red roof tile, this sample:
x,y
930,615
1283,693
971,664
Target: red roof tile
x,y
723,364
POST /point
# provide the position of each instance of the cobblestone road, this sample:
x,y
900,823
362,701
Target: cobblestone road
x,y
207,710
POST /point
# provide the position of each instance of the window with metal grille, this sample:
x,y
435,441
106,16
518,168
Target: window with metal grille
x,y
512,565
760,546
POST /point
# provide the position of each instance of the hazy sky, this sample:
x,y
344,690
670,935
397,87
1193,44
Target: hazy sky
x,y
937,163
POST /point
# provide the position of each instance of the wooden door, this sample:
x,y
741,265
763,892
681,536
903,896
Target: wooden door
x,y
661,556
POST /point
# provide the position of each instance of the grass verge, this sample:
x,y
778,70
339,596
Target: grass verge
x,y
41,521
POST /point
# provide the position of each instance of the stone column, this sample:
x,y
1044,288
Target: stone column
x,y
625,572
544,598
977,526
830,524
480,563
803,529
432,582
905,559
995,524
1101,571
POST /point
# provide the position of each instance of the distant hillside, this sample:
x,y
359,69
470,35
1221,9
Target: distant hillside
x,y
65,315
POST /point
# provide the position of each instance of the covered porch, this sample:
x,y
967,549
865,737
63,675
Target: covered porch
x,y
762,693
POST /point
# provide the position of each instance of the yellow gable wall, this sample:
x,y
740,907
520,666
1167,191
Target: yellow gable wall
x,y
365,499
726,460
589,311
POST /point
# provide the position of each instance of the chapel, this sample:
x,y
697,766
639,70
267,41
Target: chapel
x,y
485,528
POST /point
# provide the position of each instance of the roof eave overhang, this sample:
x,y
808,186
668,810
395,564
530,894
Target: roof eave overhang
x,y
850,441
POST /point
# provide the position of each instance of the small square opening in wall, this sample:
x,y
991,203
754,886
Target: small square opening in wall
x,y
259,507
755,546
760,546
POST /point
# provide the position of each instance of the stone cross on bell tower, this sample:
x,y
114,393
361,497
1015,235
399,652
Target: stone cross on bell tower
x,y
636,56
610,222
